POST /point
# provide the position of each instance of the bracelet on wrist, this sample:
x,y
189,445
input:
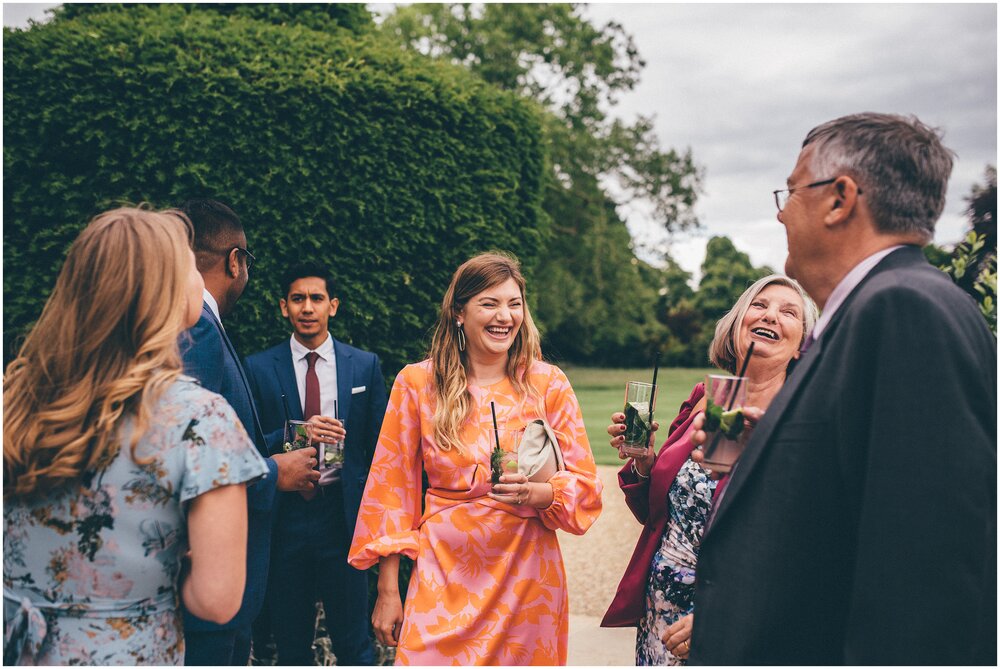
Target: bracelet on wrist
x,y
635,470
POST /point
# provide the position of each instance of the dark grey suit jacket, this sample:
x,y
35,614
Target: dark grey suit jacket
x,y
860,524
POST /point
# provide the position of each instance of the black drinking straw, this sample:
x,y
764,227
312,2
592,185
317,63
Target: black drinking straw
x,y
496,430
336,413
732,399
652,396
284,404
739,379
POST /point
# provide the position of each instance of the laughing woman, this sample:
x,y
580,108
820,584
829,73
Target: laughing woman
x,y
671,494
488,585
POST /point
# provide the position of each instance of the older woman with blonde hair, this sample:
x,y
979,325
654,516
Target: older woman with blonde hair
x,y
115,465
488,585
671,494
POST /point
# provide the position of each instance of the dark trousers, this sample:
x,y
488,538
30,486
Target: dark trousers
x,y
227,648
309,563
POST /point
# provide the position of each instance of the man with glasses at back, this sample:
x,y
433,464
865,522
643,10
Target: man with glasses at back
x,y
220,247
859,526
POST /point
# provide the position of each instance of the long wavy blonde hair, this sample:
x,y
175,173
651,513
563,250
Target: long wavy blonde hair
x,y
104,347
453,402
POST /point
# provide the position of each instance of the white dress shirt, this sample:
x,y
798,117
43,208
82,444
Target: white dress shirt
x,y
326,370
847,285
213,305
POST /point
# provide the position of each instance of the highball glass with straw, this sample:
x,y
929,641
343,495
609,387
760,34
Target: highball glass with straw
x,y
640,402
725,428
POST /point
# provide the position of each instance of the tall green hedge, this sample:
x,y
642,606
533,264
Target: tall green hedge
x,y
331,146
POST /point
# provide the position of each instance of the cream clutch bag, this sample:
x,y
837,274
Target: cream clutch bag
x,y
539,455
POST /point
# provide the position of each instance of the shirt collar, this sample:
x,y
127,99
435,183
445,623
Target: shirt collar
x,y
325,349
212,304
847,286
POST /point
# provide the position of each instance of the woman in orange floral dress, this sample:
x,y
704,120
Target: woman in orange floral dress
x,y
488,585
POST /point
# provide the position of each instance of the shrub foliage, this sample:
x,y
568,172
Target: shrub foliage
x,y
332,146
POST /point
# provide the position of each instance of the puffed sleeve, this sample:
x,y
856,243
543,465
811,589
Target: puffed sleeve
x,y
390,507
576,492
217,450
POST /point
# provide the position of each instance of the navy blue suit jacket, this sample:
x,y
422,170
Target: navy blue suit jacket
x,y
361,398
209,356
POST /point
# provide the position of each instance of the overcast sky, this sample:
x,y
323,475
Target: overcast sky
x,y
742,84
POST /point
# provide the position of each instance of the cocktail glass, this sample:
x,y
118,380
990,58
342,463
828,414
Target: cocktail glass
x,y
298,434
503,459
331,458
640,402
725,429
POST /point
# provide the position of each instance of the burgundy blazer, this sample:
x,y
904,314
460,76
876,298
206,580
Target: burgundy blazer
x,y
649,502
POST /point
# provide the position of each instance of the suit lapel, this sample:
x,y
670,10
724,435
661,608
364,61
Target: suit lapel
x,y
284,371
908,255
345,374
762,433
259,436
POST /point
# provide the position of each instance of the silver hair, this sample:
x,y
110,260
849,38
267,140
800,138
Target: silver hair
x,y
899,163
722,352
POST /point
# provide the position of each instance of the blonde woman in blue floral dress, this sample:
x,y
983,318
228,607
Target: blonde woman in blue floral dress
x,y
118,469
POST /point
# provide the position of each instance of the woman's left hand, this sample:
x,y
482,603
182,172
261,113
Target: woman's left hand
x,y
677,638
516,489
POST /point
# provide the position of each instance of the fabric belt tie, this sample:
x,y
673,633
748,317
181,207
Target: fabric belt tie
x,y
25,634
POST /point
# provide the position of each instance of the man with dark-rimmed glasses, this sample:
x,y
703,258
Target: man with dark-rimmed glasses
x,y
220,247
859,526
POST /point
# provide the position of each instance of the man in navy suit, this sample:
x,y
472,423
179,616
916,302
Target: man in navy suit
x,y
859,526
339,389
224,262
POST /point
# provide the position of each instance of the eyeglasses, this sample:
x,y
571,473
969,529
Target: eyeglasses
x,y
250,258
781,196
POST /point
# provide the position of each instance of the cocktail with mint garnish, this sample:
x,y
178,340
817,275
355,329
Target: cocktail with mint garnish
x,y
640,401
725,425
297,435
503,457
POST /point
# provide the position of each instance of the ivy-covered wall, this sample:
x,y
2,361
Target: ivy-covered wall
x,y
330,145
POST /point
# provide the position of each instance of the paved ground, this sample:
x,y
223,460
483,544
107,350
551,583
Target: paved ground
x,y
595,563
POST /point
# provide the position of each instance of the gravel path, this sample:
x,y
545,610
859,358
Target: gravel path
x,y
596,561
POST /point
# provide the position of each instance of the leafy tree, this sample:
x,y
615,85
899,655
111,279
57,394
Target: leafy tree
x,y
725,273
982,213
972,265
317,16
386,165
553,54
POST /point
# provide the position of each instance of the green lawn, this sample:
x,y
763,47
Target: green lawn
x,y
601,392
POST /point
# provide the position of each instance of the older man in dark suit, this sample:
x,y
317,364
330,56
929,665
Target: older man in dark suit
x,y
859,526
224,262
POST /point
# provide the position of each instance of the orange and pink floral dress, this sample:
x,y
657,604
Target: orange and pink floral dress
x,y
488,585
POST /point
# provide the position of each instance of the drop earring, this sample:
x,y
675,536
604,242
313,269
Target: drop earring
x,y
461,336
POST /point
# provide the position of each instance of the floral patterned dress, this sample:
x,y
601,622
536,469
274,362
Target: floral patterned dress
x,y
670,593
488,585
91,573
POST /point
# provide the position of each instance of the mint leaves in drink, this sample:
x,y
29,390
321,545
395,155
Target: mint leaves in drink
x,y
637,425
729,422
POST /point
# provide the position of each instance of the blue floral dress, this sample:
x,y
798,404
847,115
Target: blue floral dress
x,y
670,593
91,574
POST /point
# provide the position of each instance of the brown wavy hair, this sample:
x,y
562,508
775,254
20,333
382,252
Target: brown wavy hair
x,y
104,347
453,402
